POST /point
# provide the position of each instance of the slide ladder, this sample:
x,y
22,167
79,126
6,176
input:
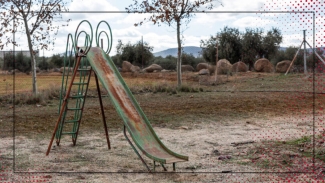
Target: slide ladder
x,y
73,96
72,99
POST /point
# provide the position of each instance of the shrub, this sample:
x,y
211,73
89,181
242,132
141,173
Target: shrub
x,y
168,63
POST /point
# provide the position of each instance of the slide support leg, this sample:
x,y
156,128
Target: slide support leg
x,y
154,166
135,150
165,169
102,111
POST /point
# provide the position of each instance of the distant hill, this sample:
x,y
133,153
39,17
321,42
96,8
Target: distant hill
x,y
196,51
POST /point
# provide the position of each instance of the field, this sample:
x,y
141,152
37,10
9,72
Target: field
x,y
249,127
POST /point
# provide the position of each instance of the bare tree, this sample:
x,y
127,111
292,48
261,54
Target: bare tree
x,y
171,12
36,19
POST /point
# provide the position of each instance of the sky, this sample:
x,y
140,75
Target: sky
x,y
201,27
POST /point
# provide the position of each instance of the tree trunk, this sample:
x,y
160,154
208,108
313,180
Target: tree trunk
x,y
179,56
32,57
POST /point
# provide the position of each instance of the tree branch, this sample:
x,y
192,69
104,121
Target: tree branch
x,y
28,10
37,23
37,19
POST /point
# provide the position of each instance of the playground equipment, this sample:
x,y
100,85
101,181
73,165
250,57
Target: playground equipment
x,y
90,59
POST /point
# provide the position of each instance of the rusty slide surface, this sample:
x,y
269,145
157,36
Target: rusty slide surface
x,y
127,107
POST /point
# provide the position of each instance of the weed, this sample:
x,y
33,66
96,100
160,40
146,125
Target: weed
x,y
265,163
301,141
187,88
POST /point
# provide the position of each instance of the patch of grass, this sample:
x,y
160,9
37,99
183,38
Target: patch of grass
x,y
243,163
301,141
28,98
164,88
277,154
320,154
191,89
77,158
306,144
264,163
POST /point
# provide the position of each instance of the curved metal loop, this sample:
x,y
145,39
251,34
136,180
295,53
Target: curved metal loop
x,y
88,39
67,50
109,39
97,40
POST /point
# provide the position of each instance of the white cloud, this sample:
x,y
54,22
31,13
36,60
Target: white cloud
x,y
210,19
251,21
159,42
291,40
92,5
128,32
240,5
132,18
194,40
90,8
201,26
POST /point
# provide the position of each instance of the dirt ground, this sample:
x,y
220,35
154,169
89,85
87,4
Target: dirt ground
x,y
240,130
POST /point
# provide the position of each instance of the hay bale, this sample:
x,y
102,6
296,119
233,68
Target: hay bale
x,y
223,67
164,70
126,66
202,66
204,72
212,69
187,68
135,69
282,67
263,65
239,67
153,68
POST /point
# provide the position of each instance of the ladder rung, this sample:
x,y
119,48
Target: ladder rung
x,y
77,96
74,109
79,83
72,121
68,133
84,70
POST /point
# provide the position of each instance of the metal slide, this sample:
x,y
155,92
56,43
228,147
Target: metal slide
x,y
127,107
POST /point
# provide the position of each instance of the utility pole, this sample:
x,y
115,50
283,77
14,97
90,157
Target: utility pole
x,y
216,52
44,61
305,64
142,51
216,70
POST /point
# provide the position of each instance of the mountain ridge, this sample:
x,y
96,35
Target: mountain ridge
x,y
194,50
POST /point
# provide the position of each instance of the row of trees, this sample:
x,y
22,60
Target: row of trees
x,y
23,63
142,56
245,46
129,52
